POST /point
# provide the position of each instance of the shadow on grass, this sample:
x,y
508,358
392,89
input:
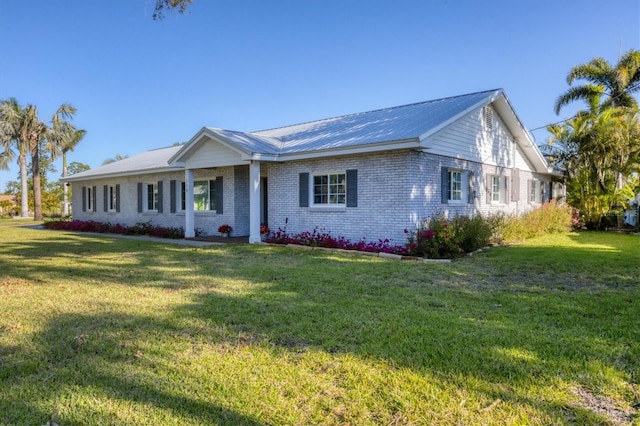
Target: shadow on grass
x,y
456,323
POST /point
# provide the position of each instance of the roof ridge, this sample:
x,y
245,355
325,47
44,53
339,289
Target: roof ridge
x,y
371,111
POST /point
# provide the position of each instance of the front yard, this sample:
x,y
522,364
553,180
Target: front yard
x,y
97,330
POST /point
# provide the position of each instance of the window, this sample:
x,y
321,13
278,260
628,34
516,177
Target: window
x,y
497,189
151,196
534,191
89,198
496,193
204,195
112,198
455,185
330,189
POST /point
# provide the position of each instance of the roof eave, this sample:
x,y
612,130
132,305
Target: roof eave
x,y
78,178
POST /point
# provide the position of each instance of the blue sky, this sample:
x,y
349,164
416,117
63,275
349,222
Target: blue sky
x,y
246,65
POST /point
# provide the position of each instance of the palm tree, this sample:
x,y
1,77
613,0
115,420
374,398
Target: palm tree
x,y
614,84
76,136
19,127
63,137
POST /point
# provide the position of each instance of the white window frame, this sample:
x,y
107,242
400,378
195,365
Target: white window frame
x,y
112,198
145,197
463,191
535,196
497,189
334,196
210,195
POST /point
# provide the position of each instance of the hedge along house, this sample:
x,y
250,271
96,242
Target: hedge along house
x,y
361,176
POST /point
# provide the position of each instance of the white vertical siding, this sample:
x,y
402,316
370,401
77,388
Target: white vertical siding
x,y
468,139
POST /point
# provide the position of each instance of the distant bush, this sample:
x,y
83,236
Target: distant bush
x,y
140,228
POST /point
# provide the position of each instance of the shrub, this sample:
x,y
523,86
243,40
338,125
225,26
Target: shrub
x,y
441,237
140,228
317,238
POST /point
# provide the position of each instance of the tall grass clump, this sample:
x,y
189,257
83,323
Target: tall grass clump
x,y
550,218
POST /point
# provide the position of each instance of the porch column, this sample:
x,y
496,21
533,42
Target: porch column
x,y
189,223
254,202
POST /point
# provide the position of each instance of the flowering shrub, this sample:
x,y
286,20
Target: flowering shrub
x,y
140,228
264,229
316,238
224,229
449,238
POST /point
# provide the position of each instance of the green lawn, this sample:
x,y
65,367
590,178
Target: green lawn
x,y
96,330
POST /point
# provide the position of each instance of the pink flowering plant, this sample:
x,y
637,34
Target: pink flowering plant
x,y
319,238
140,228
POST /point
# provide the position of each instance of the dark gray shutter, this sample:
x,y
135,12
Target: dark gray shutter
x,y
118,198
219,195
139,197
489,187
444,181
505,194
515,185
95,201
105,197
172,195
352,188
304,190
472,191
84,198
160,206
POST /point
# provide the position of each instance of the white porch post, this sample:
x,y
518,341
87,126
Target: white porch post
x,y
254,202
189,223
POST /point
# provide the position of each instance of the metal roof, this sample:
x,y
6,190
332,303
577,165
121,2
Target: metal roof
x,y
383,125
388,127
156,160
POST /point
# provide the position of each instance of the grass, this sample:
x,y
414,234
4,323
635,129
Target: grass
x,y
96,330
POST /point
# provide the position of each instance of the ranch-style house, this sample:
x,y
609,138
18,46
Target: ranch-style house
x,y
368,175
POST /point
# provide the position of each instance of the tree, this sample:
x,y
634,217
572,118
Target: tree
x,y
600,155
21,129
64,137
614,85
117,157
163,5
76,167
